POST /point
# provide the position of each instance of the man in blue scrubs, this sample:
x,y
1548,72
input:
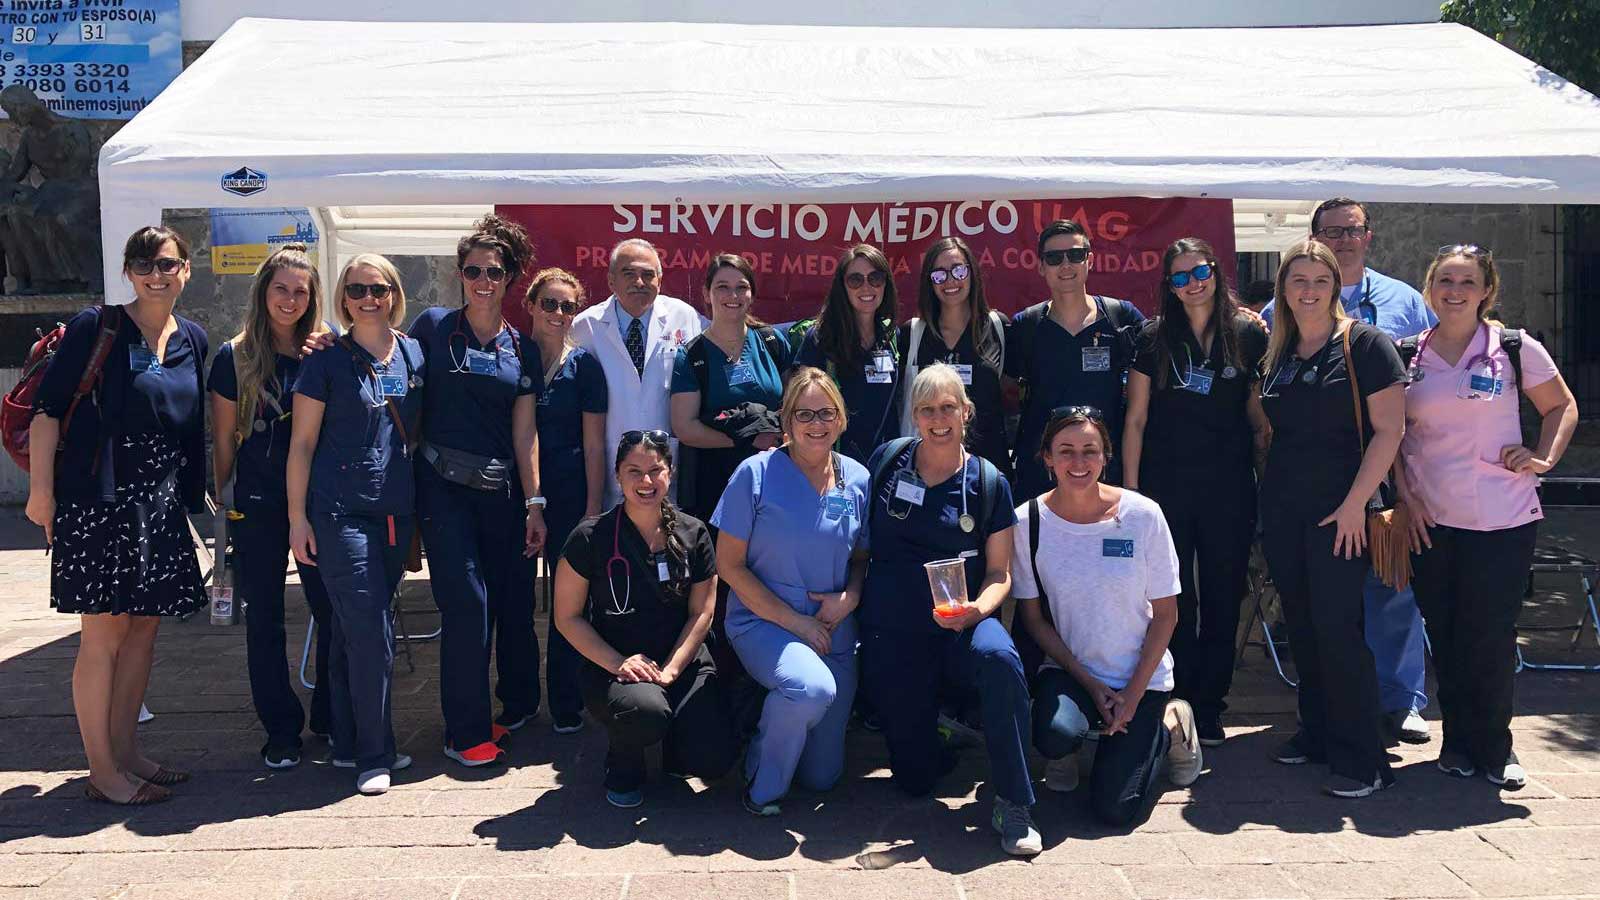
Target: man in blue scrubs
x,y
1393,624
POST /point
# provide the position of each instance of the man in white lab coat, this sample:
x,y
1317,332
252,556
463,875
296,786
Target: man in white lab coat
x,y
635,334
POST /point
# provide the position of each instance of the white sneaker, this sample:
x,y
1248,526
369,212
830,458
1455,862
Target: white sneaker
x,y
145,714
1409,726
1184,758
373,781
1061,775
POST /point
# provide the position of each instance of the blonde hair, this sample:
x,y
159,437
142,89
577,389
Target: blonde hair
x,y
1486,267
805,377
1285,332
940,380
397,309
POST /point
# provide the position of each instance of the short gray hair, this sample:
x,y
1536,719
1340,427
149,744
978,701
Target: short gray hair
x,y
636,244
938,380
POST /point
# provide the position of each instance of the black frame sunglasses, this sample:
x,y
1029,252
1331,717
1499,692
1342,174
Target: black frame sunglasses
x,y
1091,413
654,436
875,278
355,290
1074,255
473,273
167,265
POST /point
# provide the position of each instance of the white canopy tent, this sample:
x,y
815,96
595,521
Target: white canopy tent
x,y
431,122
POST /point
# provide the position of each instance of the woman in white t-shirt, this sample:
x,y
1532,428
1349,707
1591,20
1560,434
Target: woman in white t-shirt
x,y
1103,616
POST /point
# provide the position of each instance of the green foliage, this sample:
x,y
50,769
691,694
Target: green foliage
x,y
1556,34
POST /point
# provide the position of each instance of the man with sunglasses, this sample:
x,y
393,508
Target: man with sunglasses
x,y
1073,349
1393,624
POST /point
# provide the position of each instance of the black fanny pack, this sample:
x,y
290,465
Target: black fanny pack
x,y
480,473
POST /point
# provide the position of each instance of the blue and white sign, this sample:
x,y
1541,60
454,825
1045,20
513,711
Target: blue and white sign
x,y
91,59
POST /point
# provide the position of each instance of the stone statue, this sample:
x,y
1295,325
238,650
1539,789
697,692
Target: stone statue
x,y
50,230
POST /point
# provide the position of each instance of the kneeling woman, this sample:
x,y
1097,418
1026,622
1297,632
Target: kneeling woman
x,y
351,500
931,501
639,614
1096,580
791,547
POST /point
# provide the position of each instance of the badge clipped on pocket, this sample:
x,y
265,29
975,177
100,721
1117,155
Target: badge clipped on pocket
x,y
1116,548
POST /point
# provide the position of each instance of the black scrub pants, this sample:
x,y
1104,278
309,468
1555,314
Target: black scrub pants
x,y
1469,586
1122,784
1324,610
1213,521
483,586
687,717
261,562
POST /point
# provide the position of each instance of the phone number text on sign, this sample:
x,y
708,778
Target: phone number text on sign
x,y
90,59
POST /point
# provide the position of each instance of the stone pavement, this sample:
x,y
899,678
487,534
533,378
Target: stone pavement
x,y
539,827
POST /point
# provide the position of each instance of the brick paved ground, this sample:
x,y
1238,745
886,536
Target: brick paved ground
x,y
539,827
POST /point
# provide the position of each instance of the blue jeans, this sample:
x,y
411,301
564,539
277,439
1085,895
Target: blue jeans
x,y
1394,634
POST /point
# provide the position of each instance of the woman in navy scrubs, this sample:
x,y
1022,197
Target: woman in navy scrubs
x,y
572,455
251,381
112,502
956,327
1322,469
1194,415
351,501
736,360
854,342
634,596
478,501
932,500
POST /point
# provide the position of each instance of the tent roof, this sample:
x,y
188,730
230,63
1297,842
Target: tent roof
x,y
359,113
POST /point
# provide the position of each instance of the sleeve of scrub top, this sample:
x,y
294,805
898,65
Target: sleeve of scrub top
x,y
592,396
578,552
1376,358
224,380
810,352
683,380
1144,350
1012,364
736,511
66,367
532,380
1022,583
315,378
426,324
702,556
1537,366
1161,562
1253,348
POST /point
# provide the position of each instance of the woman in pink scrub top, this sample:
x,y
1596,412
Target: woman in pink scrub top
x,y
1470,484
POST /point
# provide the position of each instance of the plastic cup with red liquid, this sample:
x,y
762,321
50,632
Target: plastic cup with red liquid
x,y
948,580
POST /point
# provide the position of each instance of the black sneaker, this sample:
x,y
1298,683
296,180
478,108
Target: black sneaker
x,y
512,721
567,724
1458,764
280,756
1293,752
1210,729
1352,788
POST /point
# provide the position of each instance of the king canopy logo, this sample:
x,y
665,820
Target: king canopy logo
x,y
244,181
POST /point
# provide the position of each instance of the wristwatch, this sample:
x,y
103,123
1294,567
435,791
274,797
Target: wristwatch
x,y
534,503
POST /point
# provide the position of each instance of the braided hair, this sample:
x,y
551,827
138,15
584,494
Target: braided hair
x,y
676,587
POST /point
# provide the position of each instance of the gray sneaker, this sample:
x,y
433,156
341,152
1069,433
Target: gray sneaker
x,y
1184,758
1409,726
1018,837
1511,776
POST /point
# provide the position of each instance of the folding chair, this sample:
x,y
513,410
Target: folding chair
x,y
1261,599
1548,558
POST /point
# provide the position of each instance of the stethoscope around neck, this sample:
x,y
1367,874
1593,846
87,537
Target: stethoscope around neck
x,y
1489,364
458,365
626,606
967,523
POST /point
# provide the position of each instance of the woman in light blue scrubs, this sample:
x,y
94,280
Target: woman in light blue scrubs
x,y
792,548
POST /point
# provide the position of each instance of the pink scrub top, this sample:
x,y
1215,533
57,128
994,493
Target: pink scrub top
x,y
1452,443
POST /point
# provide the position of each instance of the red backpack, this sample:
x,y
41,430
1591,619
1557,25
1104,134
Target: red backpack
x,y
16,410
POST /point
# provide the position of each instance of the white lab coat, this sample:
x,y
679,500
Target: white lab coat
x,y
635,402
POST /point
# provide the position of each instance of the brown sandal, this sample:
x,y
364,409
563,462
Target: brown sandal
x,y
147,794
167,777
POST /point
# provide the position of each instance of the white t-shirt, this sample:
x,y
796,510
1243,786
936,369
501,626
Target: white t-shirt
x,y
1100,580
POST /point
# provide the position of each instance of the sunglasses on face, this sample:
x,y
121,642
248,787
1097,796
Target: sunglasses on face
x,y
356,290
958,272
825,414
857,279
473,273
1201,272
551,304
1339,232
167,265
1074,255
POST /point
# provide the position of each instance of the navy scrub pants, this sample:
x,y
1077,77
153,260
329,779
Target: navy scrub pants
x,y
562,663
1340,721
1122,784
261,562
362,559
483,586
908,672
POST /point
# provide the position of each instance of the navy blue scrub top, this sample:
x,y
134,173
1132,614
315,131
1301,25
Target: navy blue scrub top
x,y
137,395
1200,419
986,433
873,403
473,387
578,387
896,596
361,466
262,458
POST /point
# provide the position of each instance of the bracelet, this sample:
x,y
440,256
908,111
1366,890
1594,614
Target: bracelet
x,y
534,502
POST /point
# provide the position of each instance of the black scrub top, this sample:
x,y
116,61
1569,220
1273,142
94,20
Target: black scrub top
x,y
1198,424
1315,449
261,463
871,390
472,387
578,387
631,611
986,433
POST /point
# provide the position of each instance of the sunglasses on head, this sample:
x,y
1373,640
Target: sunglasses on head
x,y
857,279
1201,272
959,272
1467,250
1074,255
356,290
1091,413
168,265
551,304
654,436
473,273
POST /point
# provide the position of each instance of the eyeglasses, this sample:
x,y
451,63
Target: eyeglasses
x,y
1339,232
1076,412
958,272
1074,255
1201,272
167,264
567,307
825,414
1467,250
654,436
857,279
356,290
473,273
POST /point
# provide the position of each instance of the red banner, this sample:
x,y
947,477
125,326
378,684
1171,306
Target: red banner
x,y
795,248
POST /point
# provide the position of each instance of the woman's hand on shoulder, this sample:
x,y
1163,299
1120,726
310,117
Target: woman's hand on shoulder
x,y
318,340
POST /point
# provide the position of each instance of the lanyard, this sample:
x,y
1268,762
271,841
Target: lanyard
x,y
365,361
1364,304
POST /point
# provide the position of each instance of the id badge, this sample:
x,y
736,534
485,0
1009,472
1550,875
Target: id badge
x,y
1097,359
965,371
875,375
1199,381
883,360
142,359
1284,377
909,491
1483,387
661,571
482,363
392,385
839,506
1116,548
741,372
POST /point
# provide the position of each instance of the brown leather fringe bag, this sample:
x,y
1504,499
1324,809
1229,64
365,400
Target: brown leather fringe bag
x,y
1388,522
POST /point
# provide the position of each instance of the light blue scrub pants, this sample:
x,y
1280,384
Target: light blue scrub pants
x,y
801,735
1394,635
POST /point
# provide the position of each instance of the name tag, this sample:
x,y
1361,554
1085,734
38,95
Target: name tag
x,y
883,361
392,385
875,375
1284,377
965,371
661,571
741,372
1199,381
142,359
838,506
480,362
1097,359
1487,385
909,492
1116,548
